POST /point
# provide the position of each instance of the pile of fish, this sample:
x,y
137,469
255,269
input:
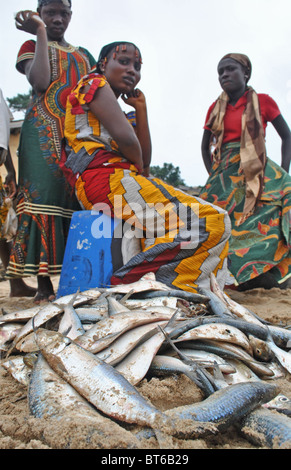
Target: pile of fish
x,y
85,354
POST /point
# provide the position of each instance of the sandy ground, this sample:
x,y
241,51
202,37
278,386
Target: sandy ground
x,y
18,430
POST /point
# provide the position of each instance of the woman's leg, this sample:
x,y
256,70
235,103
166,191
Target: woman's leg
x,y
45,290
18,288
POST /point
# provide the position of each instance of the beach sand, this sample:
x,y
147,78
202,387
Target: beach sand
x,y
19,430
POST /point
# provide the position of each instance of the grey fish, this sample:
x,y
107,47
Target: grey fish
x,y
217,332
106,331
178,294
227,350
228,405
98,382
225,407
165,365
280,403
51,310
267,428
211,360
70,324
125,343
218,307
49,396
281,336
18,369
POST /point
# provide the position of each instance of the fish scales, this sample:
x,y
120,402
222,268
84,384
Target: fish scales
x,y
229,404
122,346
219,332
106,331
49,311
98,382
264,427
49,396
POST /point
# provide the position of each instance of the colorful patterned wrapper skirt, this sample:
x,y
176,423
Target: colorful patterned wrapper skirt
x,y
262,242
182,238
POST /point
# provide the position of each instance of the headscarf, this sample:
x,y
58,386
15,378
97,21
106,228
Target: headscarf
x,y
66,3
105,51
252,145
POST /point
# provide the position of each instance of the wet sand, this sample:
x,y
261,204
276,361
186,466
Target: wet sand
x,y
18,430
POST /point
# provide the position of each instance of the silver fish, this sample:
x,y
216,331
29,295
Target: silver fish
x,y
283,357
7,333
209,359
228,350
217,332
49,396
18,369
98,382
228,405
280,403
70,324
124,344
49,311
147,282
217,306
106,331
266,428
135,366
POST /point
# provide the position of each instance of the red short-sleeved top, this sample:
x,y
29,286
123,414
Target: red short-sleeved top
x,y
233,116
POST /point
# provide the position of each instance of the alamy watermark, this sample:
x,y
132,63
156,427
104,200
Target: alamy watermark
x,y
147,220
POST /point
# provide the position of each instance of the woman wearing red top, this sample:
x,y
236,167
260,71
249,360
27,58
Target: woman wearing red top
x,y
254,190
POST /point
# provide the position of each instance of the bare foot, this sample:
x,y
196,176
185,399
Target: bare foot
x,y
45,290
18,288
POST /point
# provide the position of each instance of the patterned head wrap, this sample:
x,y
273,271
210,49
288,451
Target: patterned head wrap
x,y
42,3
105,51
241,59
252,145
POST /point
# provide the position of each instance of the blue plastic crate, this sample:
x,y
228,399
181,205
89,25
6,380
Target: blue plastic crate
x,y
88,255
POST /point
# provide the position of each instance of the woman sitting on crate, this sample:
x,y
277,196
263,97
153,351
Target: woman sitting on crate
x,y
183,239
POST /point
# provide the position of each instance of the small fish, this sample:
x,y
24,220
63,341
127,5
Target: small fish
x,y
165,365
209,360
217,332
177,294
231,351
260,349
242,373
101,384
106,331
7,333
280,403
234,307
70,324
125,343
283,357
18,369
266,428
218,307
21,316
228,405
281,336
49,311
146,283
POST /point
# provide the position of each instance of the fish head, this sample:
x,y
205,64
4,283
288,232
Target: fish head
x,y
50,341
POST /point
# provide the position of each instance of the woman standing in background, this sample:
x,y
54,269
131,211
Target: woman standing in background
x,y
44,202
255,191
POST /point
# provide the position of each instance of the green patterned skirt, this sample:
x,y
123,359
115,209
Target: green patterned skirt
x,y
262,242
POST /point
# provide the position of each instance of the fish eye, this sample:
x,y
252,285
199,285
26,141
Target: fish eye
x,y
284,399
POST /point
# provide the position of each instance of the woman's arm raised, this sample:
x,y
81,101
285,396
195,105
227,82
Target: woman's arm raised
x,y
37,70
107,110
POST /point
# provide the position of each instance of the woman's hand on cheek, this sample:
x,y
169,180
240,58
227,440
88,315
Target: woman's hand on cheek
x,y
135,98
